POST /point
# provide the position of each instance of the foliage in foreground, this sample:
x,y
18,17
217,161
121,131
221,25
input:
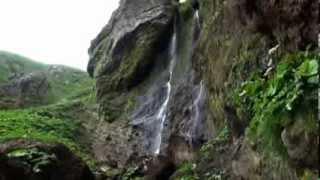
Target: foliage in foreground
x,y
272,101
34,157
42,124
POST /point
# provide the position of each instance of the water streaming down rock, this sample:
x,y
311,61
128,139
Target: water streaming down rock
x,y
197,27
196,120
197,18
153,116
193,127
161,116
132,77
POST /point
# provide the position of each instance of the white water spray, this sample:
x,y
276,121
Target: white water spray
x,y
197,17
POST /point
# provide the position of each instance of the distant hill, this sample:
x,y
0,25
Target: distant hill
x,y
46,103
25,82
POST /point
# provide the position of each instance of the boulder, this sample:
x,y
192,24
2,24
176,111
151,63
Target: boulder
x,y
34,160
27,89
124,50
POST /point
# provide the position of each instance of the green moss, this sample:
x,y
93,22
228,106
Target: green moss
x,y
190,171
134,62
309,175
186,9
222,136
271,101
131,174
186,171
64,82
13,63
43,124
69,84
130,105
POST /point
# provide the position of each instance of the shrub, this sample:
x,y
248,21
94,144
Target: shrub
x,y
271,100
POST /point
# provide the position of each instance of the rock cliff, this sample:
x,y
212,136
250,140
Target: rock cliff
x,y
223,84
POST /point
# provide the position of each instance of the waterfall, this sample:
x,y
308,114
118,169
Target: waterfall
x,y
197,18
197,106
197,28
162,113
198,101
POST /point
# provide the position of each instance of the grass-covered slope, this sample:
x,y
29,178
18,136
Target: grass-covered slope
x,y
66,122
67,115
63,82
13,63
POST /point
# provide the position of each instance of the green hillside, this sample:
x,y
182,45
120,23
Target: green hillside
x,y
64,82
11,63
65,116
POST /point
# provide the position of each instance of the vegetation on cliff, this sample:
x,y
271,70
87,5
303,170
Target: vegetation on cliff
x,y
273,100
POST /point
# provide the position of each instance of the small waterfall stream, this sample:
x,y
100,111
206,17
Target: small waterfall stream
x,y
197,27
198,101
151,117
161,116
197,18
196,118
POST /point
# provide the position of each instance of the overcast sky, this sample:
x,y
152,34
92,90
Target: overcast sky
x,y
53,31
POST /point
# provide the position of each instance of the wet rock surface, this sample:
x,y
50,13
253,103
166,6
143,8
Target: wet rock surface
x,y
235,39
221,44
123,58
124,50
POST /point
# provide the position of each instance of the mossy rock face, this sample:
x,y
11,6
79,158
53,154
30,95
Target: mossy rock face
x,y
124,52
125,58
235,39
239,38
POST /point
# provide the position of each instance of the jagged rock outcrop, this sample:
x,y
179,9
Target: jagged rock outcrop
x,y
121,57
215,46
27,83
154,102
29,89
123,52
32,160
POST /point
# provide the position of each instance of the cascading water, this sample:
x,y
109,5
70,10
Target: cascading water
x,y
151,116
197,101
197,18
197,107
196,27
161,116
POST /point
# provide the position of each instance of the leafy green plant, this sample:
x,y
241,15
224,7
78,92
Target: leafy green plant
x,y
221,137
131,174
271,100
36,158
187,172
